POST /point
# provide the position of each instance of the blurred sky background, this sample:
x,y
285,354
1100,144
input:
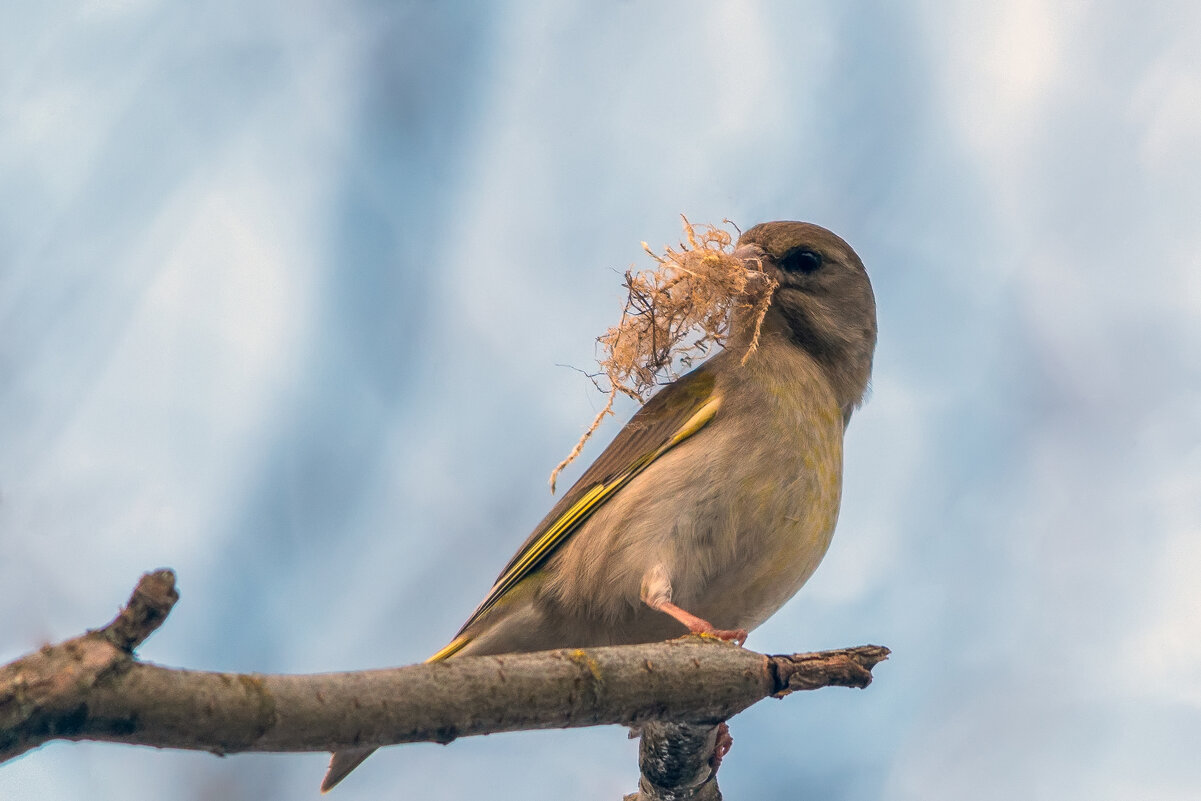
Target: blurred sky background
x,y
290,294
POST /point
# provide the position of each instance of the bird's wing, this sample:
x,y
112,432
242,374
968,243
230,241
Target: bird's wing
x,y
674,414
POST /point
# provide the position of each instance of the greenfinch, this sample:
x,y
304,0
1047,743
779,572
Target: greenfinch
x,y
717,500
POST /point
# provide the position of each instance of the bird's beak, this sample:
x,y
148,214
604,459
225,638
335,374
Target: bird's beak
x,y
753,256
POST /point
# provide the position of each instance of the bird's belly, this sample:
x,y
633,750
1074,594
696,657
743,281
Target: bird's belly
x,y
759,522
779,535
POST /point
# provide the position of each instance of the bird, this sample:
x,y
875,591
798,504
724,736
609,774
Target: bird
x,y
718,499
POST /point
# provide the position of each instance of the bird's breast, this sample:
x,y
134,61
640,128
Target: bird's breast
x,y
751,545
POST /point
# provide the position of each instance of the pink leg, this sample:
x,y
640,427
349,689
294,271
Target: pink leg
x,y
700,626
656,593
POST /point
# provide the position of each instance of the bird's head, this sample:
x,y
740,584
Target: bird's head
x,y
824,301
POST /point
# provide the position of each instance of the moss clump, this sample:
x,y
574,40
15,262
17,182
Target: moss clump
x,y
674,314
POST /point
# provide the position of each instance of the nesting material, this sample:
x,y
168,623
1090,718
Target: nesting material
x,y
674,315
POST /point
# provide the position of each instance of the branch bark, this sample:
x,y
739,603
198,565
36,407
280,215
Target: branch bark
x,y
677,763
91,687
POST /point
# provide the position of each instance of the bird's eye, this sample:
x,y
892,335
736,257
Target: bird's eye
x,y
801,260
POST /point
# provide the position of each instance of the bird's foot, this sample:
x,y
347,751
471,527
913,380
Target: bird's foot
x,y
656,593
698,625
722,747
736,636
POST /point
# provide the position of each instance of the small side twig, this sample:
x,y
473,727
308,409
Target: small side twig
x,y
148,606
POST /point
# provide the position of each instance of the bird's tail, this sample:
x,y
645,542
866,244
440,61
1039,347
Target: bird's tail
x,y
343,762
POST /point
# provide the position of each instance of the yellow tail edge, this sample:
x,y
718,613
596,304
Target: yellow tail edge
x,y
450,649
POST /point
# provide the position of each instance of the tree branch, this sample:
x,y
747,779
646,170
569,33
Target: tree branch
x,y
92,688
677,763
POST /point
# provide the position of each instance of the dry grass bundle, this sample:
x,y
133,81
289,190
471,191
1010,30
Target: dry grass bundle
x,y
676,313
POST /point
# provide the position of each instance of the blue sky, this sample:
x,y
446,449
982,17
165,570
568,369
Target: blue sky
x,y
287,292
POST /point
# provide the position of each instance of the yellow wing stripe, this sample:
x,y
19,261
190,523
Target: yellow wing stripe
x,y
576,514
449,650
694,424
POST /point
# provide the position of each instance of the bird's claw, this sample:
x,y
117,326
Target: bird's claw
x,y
722,746
736,636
